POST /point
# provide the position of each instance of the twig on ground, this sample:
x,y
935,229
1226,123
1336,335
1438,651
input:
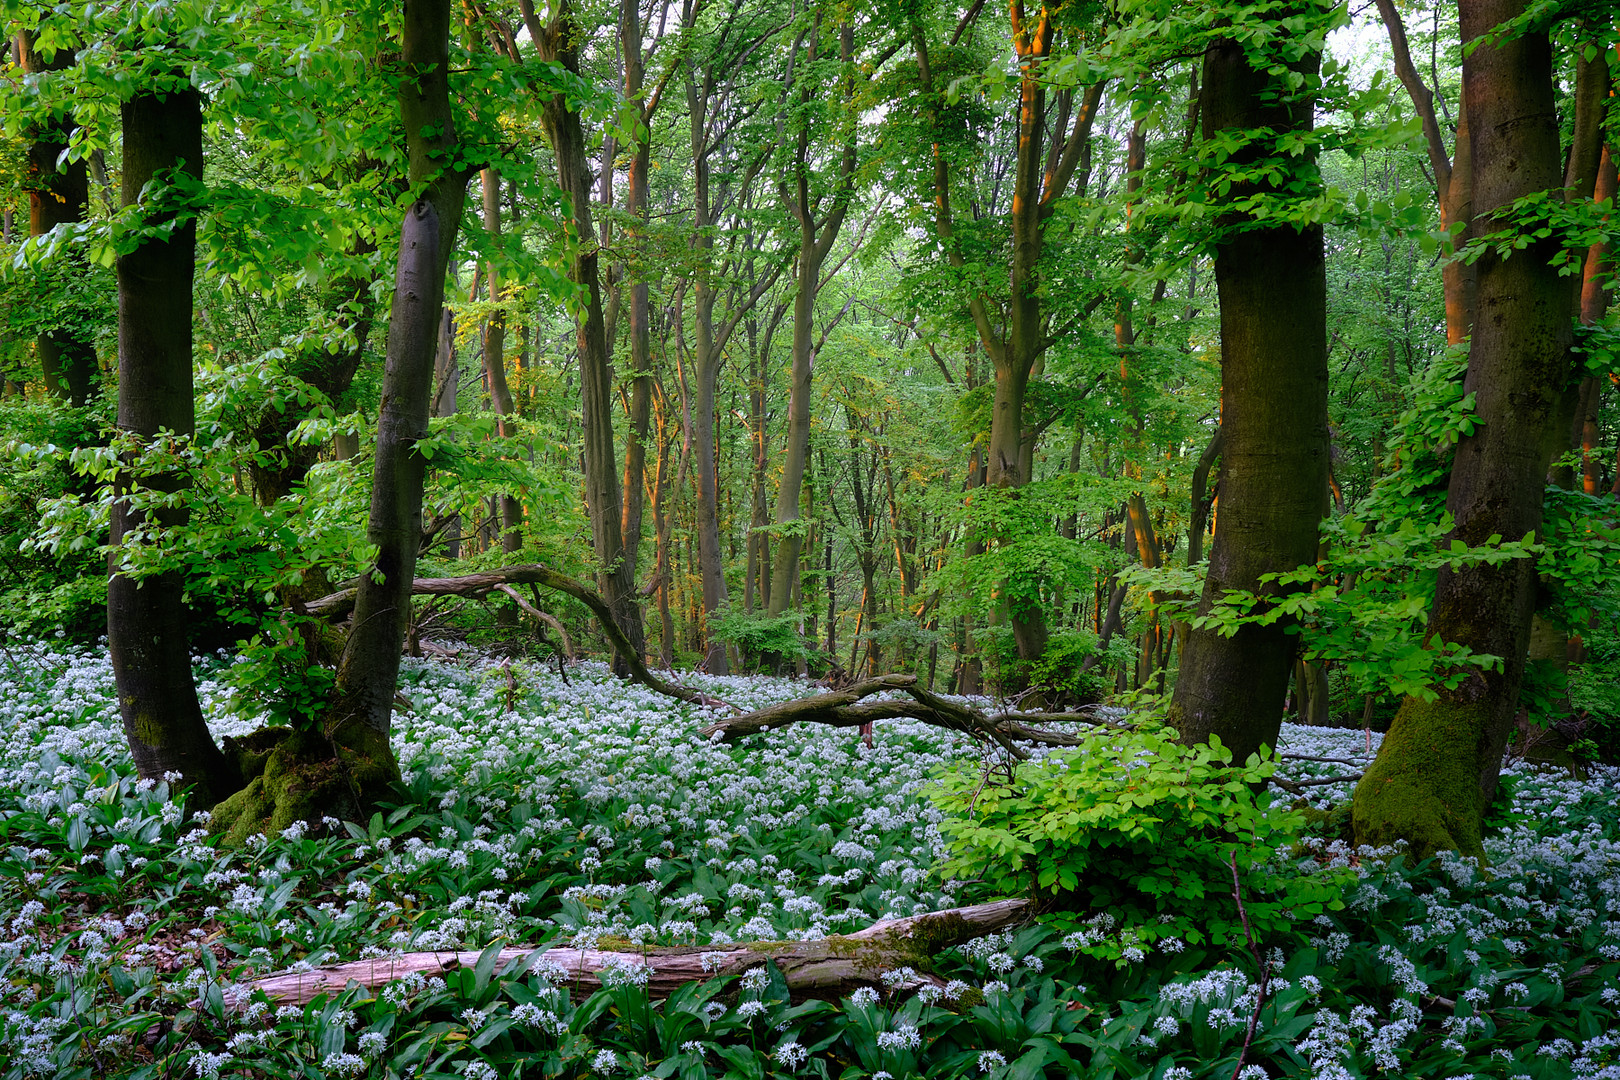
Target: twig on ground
x,y
1260,962
1297,787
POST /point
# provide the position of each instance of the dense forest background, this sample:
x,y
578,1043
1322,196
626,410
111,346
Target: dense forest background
x,y
820,338
968,433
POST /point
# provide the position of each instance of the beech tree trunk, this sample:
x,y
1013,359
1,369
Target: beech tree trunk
x,y
1594,306
369,671
1437,768
331,371
500,394
1274,437
818,231
1453,177
147,618
58,195
1046,164
559,42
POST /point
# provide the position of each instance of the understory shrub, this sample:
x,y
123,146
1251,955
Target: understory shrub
x,y
1133,838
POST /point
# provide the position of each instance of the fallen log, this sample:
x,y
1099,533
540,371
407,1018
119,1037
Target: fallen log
x,y
825,967
337,606
845,708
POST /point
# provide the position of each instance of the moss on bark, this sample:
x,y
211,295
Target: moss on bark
x,y
295,775
1424,786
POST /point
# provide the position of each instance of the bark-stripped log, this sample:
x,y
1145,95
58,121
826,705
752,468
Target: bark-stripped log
x,y
825,967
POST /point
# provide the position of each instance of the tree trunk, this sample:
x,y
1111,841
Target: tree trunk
x,y
358,727
828,968
1453,178
559,42
817,234
1437,768
711,566
60,195
1594,305
147,618
330,371
500,394
1274,439
635,451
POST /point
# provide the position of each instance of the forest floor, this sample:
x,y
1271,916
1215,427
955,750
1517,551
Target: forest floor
x,y
591,810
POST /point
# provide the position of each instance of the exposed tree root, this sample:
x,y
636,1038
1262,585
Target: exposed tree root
x,y
295,775
826,967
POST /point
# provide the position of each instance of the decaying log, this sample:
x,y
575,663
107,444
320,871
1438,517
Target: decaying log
x,y
844,708
337,606
825,967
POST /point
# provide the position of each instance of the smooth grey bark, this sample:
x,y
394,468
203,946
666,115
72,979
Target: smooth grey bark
x,y
818,230
558,42
369,671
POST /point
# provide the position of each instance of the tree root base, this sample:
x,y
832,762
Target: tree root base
x,y
295,775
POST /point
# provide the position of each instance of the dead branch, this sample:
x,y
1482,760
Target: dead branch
x,y
336,607
542,616
1297,787
845,708
826,967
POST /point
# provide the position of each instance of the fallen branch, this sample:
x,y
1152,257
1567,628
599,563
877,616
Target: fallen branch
x,y
544,617
825,967
845,708
1297,787
338,605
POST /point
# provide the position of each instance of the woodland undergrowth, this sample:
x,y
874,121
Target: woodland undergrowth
x,y
538,810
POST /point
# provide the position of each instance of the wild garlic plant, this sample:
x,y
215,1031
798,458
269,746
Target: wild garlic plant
x,y
593,811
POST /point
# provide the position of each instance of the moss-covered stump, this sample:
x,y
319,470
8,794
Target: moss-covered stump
x,y
297,775
1424,786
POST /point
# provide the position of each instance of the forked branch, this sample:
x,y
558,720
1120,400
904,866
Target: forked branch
x,y
338,605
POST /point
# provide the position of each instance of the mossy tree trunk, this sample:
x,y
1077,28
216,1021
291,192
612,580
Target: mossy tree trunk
x,y
147,618
1437,769
343,764
1273,437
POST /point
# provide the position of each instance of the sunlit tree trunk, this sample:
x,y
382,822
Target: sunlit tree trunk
x,y
559,42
